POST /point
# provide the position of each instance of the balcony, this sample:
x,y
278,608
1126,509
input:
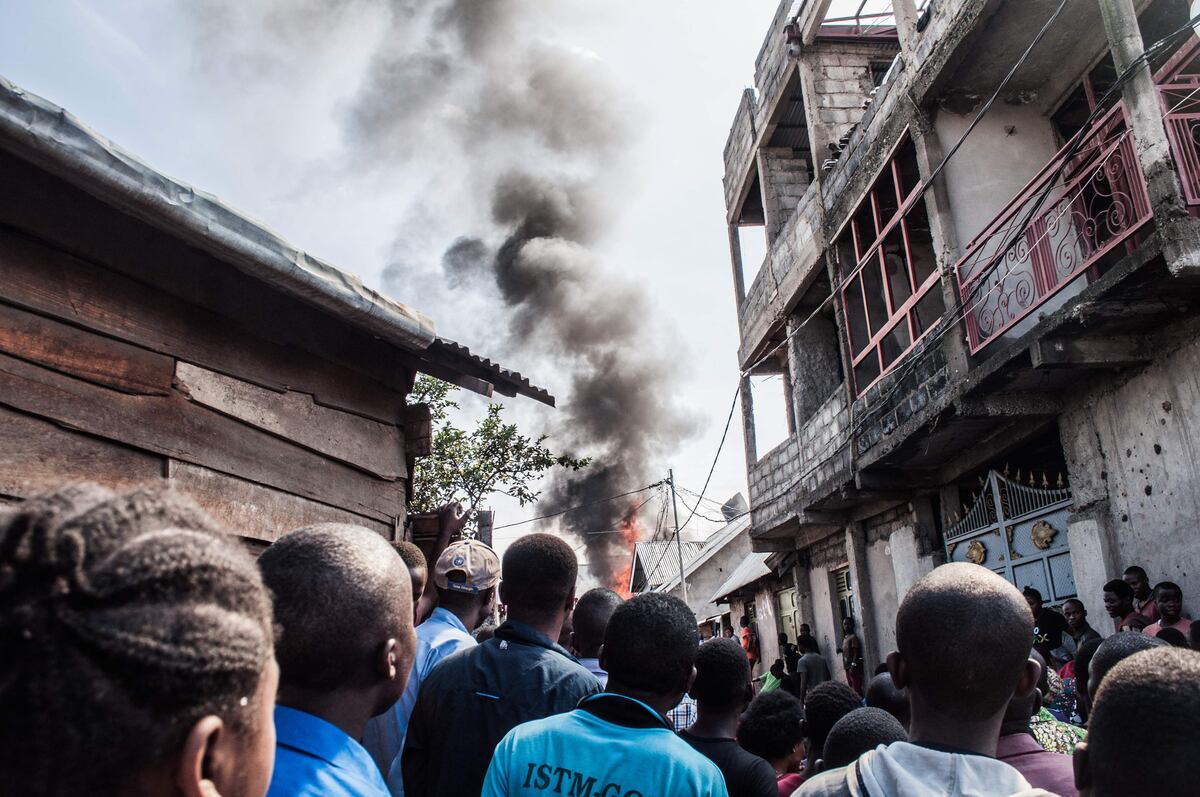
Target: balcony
x,y
1086,209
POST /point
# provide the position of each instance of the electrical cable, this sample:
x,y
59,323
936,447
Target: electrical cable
x,y
578,507
924,187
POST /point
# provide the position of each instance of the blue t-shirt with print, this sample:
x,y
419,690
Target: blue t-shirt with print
x,y
578,754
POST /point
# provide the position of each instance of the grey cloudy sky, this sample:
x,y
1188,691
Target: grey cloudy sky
x,y
249,101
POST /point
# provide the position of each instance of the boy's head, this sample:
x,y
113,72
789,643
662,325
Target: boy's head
x,y
848,625
962,638
1173,637
1114,649
722,677
883,694
650,649
859,731
807,644
418,569
344,602
1034,598
135,647
1169,598
591,616
1075,613
1118,598
538,580
1083,662
1138,581
1022,707
783,639
805,630
824,705
1148,710
465,577
777,668
744,621
773,728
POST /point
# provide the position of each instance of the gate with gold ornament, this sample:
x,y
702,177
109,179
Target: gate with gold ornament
x,y
1019,531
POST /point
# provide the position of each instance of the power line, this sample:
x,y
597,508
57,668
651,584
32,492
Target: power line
x,y
578,507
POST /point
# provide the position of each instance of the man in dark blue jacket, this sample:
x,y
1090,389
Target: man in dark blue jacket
x,y
472,699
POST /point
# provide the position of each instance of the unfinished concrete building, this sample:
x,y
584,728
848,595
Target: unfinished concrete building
x,y
987,343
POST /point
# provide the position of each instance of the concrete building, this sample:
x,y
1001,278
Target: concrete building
x,y
987,340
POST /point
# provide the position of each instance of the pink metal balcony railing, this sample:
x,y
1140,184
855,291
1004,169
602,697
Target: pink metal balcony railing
x,y
1179,91
1095,209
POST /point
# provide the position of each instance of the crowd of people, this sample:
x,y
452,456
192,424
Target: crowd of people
x,y
144,652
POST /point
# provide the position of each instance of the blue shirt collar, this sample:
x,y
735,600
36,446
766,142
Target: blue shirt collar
x,y
311,735
449,618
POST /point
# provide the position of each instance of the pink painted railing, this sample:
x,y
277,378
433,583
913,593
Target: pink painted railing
x,y
1097,203
1179,91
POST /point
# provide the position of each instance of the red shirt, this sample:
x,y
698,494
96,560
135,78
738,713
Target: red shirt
x,y
789,783
748,645
1053,772
1148,609
1182,625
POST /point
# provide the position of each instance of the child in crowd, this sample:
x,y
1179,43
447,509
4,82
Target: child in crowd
x,y
136,650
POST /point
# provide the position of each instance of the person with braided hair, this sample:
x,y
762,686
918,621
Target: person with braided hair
x,y
344,605
136,650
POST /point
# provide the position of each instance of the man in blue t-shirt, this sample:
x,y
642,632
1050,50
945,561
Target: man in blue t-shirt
x,y
618,742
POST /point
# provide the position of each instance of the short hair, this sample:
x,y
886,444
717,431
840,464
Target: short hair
x,y
1194,633
651,643
339,592
1114,649
1032,592
413,557
859,731
944,612
538,573
124,619
1167,585
591,616
772,726
883,693
722,674
744,620
1119,588
1083,659
824,705
1135,570
1075,601
807,643
1147,710
1173,637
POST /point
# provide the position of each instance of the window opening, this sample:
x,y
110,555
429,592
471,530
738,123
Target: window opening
x,y
890,294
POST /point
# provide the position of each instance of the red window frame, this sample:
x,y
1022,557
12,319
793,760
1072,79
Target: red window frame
x,y
866,236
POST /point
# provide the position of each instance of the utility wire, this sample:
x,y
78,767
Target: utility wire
x,y
578,507
925,186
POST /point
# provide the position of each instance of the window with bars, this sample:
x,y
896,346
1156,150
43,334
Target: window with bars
x,y
888,271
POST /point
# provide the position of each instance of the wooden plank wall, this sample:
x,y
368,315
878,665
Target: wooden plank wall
x,y
105,378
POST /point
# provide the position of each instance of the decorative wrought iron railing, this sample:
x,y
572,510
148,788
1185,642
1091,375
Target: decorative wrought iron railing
x,y
1095,205
1179,91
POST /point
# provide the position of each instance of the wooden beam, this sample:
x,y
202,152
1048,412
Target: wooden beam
x,y
257,512
48,282
1090,352
37,456
83,354
174,427
375,447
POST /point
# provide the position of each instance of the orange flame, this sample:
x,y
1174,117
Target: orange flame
x,y
631,533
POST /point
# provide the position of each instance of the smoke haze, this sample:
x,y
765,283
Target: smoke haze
x,y
530,138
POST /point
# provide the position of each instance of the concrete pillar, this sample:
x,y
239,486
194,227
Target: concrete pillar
x,y
735,259
814,361
945,239
789,397
856,556
826,624
907,562
784,177
906,23
1093,560
747,402
1180,237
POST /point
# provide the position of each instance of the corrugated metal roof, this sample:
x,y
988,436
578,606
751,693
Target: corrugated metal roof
x,y
715,542
752,568
37,130
658,561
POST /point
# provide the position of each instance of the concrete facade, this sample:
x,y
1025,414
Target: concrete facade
x,y
1068,370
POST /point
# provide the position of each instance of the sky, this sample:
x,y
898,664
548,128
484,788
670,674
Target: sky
x,y
250,103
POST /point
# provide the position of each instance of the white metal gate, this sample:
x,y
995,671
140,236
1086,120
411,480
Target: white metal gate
x,y
1020,532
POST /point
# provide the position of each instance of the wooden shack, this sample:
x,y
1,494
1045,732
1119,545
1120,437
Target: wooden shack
x,y
147,331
